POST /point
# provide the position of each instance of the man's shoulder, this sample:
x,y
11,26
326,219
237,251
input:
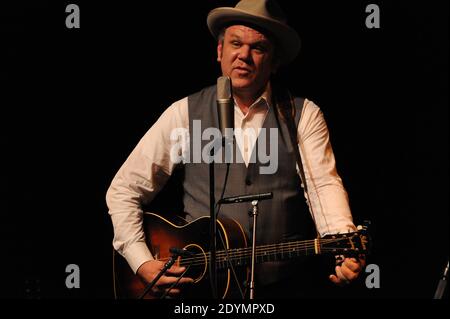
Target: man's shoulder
x,y
205,91
305,103
200,100
311,111
305,109
299,101
183,103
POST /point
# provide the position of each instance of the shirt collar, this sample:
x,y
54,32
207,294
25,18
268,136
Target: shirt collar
x,y
266,96
265,99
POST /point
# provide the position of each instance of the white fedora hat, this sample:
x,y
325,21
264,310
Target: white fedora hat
x,y
265,14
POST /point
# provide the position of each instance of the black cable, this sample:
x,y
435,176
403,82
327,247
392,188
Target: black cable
x,y
442,284
218,206
229,261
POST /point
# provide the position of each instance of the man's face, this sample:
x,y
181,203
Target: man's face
x,y
247,57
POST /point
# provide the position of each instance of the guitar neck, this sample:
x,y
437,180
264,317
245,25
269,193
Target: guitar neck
x,y
350,243
264,253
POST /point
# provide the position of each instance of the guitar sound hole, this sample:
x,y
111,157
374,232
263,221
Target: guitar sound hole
x,y
197,262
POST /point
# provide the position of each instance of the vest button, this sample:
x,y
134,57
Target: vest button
x,y
248,182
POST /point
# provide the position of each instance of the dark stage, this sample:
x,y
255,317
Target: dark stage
x,y
75,102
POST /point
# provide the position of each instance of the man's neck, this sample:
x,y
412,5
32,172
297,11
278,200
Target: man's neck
x,y
245,103
245,100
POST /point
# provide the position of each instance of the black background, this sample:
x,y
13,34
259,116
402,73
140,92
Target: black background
x,y
76,101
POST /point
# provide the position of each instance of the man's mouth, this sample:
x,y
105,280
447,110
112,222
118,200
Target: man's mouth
x,y
242,70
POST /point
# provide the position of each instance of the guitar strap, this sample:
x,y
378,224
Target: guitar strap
x,y
287,111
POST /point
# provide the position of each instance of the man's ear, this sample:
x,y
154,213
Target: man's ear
x,y
219,50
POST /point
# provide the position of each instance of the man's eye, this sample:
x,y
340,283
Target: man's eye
x,y
236,44
260,49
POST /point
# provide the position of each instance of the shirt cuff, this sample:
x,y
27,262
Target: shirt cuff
x,y
137,254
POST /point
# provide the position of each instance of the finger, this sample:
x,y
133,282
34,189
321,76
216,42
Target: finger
x,y
173,292
341,275
347,273
165,281
171,289
352,264
175,270
185,281
169,280
336,280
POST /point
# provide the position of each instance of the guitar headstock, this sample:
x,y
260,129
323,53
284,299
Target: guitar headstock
x,y
348,244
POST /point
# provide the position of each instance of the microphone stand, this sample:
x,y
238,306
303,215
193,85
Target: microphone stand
x,y
212,227
225,142
225,112
255,198
252,273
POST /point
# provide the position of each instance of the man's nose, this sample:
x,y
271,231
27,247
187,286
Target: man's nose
x,y
244,53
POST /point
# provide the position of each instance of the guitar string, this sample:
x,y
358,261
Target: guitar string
x,y
274,247
239,251
202,262
280,248
262,250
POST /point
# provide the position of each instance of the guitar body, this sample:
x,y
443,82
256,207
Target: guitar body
x,y
161,235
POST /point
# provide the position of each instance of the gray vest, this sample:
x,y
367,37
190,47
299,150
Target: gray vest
x,y
283,218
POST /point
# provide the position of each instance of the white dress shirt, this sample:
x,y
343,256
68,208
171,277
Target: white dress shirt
x,y
149,166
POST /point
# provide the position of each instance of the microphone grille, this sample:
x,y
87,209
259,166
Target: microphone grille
x,y
224,88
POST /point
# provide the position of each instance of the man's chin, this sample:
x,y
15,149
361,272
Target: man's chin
x,y
241,84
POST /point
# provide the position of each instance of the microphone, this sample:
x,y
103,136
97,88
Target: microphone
x,y
225,108
245,198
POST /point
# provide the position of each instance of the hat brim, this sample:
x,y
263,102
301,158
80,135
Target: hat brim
x,y
288,40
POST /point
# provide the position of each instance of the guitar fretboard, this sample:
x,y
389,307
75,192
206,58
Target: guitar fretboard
x,y
277,252
264,253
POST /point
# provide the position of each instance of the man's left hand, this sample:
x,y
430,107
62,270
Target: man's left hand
x,y
348,271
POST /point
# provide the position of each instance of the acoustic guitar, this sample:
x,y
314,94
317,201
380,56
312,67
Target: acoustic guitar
x,y
162,235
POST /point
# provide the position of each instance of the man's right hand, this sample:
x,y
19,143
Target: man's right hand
x,y
150,269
